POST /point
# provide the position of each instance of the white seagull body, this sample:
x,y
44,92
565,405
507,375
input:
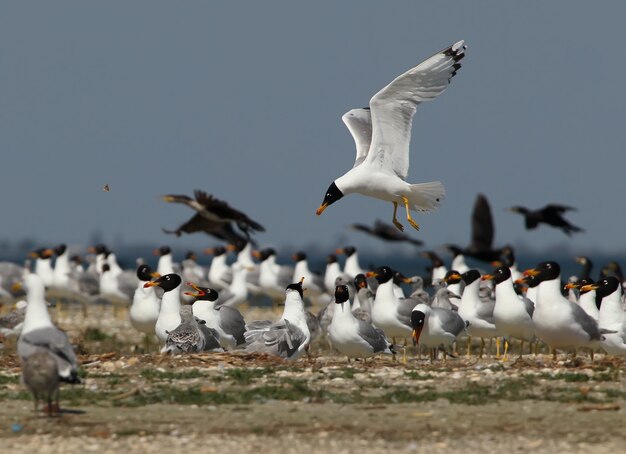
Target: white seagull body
x,y
382,135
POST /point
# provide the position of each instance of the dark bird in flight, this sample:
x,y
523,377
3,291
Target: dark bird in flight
x,y
483,232
551,214
214,217
386,232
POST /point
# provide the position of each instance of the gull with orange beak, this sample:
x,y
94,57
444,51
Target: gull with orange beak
x,y
169,314
144,310
559,322
435,327
587,299
512,314
390,313
226,321
353,337
612,319
382,133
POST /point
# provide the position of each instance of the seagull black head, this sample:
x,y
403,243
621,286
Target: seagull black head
x,y
168,282
360,281
341,294
452,277
145,273
470,276
548,271
382,274
607,286
60,249
331,258
297,286
163,250
333,193
499,275
298,256
417,323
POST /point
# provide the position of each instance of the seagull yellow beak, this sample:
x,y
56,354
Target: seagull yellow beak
x,y
487,277
321,209
167,198
589,287
531,272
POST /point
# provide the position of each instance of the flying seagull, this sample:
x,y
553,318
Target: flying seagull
x,y
551,214
387,232
214,217
385,129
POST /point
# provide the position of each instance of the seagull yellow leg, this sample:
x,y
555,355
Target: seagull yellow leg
x,y
521,349
414,224
497,347
395,219
506,349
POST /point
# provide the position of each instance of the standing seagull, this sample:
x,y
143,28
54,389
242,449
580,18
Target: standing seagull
x,y
550,214
559,322
289,337
351,336
382,134
40,340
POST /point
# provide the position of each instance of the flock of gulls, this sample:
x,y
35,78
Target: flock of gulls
x,y
354,311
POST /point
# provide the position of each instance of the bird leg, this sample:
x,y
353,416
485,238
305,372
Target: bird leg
x,y
393,355
506,348
482,347
521,348
469,344
395,219
404,360
414,224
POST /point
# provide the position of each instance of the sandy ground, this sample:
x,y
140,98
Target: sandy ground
x,y
143,402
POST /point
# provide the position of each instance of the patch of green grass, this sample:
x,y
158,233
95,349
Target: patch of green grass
x,y
247,376
472,394
403,395
6,379
413,375
96,335
153,374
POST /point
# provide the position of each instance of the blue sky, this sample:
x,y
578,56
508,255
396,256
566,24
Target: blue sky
x,y
244,100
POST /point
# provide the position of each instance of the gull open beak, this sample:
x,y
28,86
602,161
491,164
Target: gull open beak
x,y
151,284
199,291
321,209
415,334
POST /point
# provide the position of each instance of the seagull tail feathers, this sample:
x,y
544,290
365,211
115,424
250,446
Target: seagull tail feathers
x,y
426,196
